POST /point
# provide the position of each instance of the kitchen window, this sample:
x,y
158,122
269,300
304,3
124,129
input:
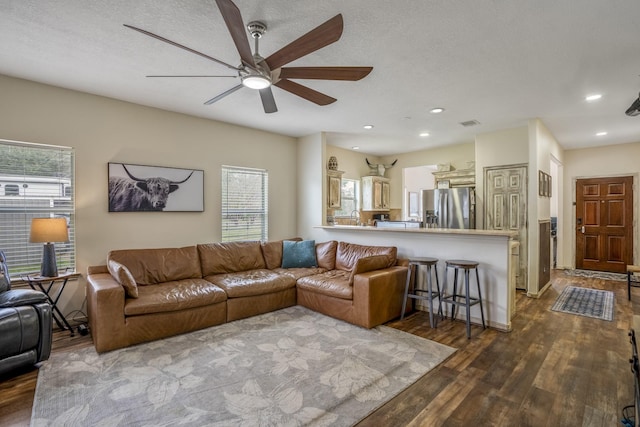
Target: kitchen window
x,y
350,194
36,181
245,213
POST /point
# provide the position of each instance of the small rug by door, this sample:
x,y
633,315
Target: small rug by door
x,y
622,277
585,302
290,367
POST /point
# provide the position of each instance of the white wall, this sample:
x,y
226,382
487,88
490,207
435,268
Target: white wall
x,y
543,147
103,130
502,148
311,184
611,160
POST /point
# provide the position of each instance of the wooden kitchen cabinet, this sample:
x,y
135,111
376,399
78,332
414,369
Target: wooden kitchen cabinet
x,y
376,193
334,187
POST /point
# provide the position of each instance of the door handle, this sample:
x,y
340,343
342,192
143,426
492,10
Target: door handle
x,y
582,229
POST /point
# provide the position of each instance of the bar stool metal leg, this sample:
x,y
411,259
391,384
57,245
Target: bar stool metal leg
x,y
457,298
480,298
414,272
406,291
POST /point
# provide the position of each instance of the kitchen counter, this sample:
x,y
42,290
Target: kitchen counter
x,y
495,250
469,232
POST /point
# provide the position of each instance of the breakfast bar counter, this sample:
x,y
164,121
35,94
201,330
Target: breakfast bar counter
x,y
495,250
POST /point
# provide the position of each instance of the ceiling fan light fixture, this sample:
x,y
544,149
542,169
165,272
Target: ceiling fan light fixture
x,y
256,81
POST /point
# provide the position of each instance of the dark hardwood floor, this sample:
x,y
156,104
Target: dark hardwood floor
x,y
553,369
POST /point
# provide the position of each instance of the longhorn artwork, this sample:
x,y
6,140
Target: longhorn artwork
x,y
378,169
137,188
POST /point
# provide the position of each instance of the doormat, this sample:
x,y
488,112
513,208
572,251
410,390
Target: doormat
x,y
597,274
585,302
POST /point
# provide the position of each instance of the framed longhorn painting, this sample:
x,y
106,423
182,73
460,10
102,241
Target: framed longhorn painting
x,y
138,188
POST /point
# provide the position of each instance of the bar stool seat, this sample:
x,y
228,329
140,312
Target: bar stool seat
x,y
455,299
428,294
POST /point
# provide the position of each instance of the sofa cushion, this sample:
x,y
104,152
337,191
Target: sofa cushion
x,y
370,263
124,277
152,266
174,296
297,273
348,254
230,257
299,254
253,282
272,252
334,283
326,254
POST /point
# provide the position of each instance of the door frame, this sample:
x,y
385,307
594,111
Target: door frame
x,y
574,222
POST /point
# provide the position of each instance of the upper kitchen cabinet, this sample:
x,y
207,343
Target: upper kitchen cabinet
x,y
375,193
334,178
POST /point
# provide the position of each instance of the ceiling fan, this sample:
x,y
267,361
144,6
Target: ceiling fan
x,y
634,110
256,72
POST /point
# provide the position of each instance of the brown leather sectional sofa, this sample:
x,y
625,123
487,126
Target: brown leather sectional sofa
x,y
146,294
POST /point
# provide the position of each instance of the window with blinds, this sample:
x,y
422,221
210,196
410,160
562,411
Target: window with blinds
x,y
244,204
36,181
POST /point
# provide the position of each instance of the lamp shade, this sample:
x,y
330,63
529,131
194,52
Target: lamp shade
x,y
44,230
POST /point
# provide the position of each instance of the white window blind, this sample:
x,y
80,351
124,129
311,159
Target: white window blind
x,y
244,204
36,181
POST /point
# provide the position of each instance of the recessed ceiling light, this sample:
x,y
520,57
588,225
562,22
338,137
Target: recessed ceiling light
x,y
355,148
423,134
593,97
368,126
601,133
436,110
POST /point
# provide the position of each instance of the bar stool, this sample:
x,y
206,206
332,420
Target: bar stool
x,y
419,294
631,269
466,300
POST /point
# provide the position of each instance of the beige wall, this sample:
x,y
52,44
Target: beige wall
x,y
502,148
457,155
612,160
352,163
103,130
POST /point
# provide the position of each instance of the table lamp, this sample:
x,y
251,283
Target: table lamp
x,y
47,231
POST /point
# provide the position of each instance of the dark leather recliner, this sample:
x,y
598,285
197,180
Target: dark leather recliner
x,y
25,324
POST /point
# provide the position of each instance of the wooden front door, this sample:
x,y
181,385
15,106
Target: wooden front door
x,y
506,208
604,223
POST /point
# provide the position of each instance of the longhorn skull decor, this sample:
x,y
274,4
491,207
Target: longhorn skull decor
x,y
378,169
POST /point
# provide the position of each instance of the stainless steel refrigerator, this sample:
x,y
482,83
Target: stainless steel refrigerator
x,y
449,208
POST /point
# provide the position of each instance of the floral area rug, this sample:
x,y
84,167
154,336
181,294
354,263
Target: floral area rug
x,y
289,367
585,302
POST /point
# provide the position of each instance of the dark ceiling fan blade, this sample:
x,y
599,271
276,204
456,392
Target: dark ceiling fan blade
x,y
634,110
325,73
321,36
268,101
190,76
238,31
188,49
305,92
223,94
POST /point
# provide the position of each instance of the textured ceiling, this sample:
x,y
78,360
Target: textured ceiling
x,y
497,62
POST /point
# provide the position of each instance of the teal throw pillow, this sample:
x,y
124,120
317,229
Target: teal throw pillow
x,y
299,254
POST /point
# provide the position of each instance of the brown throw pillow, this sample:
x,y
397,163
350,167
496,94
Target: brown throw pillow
x,y
124,277
370,263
